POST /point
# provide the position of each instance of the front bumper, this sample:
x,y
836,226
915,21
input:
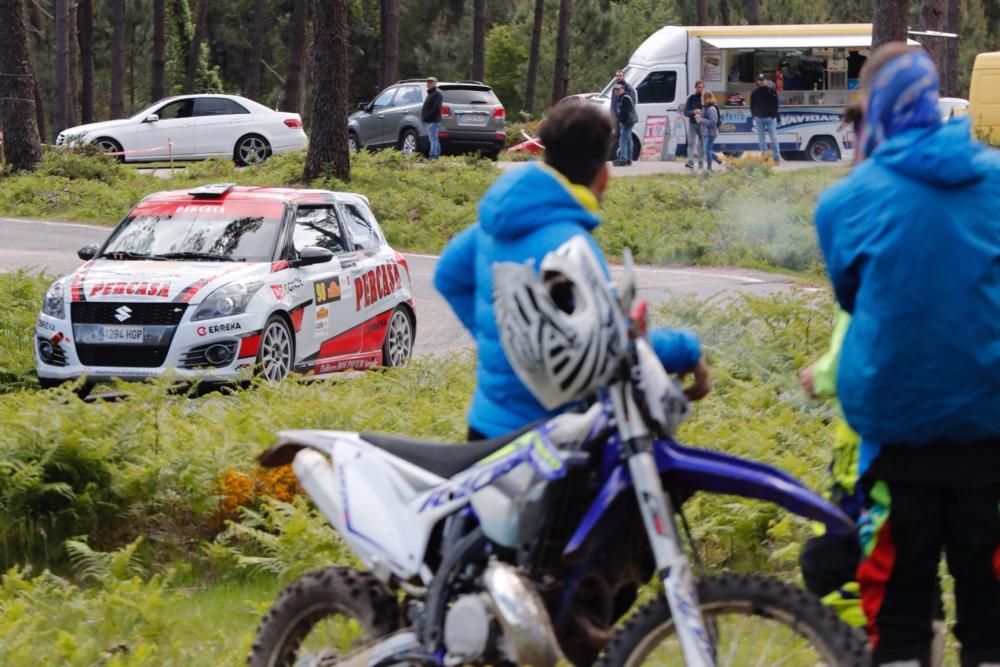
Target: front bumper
x,y
185,350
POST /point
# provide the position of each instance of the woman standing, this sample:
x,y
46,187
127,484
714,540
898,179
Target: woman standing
x,y
709,127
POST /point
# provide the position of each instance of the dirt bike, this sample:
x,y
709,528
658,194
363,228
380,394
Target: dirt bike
x,y
528,549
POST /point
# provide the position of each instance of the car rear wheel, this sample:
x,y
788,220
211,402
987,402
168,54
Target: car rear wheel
x,y
398,345
277,350
408,144
251,149
821,148
109,145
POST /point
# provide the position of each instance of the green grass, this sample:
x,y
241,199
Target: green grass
x,y
746,216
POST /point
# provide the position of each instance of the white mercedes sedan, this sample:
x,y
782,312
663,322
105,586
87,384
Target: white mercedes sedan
x,y
195,127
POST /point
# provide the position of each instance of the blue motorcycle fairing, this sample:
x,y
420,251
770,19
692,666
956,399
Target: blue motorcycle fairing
x,y
687,469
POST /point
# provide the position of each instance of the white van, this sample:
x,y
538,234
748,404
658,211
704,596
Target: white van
x,y
814,67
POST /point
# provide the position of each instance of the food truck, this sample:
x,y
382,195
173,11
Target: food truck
x,y
814,68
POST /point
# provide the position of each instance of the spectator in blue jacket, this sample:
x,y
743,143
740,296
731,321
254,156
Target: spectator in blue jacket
x,y
911,239
525,214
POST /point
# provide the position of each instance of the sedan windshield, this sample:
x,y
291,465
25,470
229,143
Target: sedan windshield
x,y
231,232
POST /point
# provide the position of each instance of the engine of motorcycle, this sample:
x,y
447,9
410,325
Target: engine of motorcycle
x,y
470,629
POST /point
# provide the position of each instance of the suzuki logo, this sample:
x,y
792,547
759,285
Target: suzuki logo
x,y
123,313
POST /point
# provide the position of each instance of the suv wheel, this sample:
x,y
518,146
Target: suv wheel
x,y
353,143
408,144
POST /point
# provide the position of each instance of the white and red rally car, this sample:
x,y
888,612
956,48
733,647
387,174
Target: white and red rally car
x,y
224,280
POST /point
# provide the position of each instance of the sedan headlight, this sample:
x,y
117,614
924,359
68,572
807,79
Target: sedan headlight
x,y
54,304
229,300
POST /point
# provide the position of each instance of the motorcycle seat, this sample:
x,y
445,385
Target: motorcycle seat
x,y
442,459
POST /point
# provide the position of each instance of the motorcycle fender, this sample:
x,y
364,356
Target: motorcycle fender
x,y
685,470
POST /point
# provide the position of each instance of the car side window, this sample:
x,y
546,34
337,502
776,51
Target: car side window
x,y
217,106
384,100
658,87
318,226
176,109
409,95
360,228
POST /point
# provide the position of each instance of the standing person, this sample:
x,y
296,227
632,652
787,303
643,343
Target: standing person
x,y
764,110
616,97
431,115
526,213
912,246
709,127
627,118
692,111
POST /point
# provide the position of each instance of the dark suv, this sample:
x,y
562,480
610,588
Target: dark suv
x,y
472,119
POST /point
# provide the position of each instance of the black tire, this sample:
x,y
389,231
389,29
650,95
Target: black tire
x,y
353,143
397,348
767,599
819,146
83,391
409,142
275,360
315,597
636,148
109,145
251,149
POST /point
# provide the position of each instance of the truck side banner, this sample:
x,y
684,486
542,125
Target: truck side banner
x,y
739,120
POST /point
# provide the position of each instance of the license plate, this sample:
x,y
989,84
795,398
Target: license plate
x,y
473,119
128,335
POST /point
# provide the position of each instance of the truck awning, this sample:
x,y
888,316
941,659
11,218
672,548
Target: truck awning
x,y
861,40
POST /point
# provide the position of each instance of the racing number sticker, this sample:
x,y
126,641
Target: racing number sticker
x,y
327,290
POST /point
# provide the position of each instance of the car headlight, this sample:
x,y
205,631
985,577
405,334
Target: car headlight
x,y
229,300
54,304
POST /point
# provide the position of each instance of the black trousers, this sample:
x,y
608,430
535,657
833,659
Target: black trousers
x,y
918,503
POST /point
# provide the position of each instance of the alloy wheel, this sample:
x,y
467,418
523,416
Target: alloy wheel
x,y
399,339
276,351
253,150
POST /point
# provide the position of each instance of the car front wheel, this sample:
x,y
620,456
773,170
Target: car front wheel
x,y
408,143
277,350
353,143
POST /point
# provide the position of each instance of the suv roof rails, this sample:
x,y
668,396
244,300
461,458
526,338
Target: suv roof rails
x,y
411,81
478,83
212,190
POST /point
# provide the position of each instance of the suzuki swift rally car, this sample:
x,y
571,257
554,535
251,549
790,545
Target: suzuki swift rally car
x,y
224,280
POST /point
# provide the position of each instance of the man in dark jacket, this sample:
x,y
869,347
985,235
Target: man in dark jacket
x,y
627,118
764,109
692,111
431,115
616,97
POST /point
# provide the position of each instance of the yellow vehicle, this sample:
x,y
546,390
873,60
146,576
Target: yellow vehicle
x,y
984,96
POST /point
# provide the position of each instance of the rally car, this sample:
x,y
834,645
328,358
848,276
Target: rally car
x,y
224,281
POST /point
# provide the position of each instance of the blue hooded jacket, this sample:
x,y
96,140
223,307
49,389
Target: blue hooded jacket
x,y
911,240
525,214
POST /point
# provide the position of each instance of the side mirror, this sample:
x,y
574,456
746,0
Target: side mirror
x,y
87,252
312,255
151,118
365,106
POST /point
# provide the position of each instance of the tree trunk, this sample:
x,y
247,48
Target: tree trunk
x,y
73,92
390,42
536,43
21,145
85,26
194,58
753,11
292,98
724,17
41,48
934,16
117,58
60,101
560,77
328,136
702,12
157,90
478,39
950,71
257,54
890,22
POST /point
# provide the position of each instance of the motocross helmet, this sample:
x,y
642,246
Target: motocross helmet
x,y
561,327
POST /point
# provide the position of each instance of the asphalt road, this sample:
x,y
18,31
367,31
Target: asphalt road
x,y
50,247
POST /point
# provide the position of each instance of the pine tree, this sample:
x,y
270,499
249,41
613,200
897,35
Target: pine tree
x,y
328,137
533,56
560,77
21,145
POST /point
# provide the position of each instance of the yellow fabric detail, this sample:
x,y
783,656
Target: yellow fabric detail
x,y
581,193
846,603
825,368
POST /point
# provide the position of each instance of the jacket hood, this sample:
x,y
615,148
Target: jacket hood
x,y
944,156
525,199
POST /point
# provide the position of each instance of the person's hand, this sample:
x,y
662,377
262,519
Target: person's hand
x,y
699,388
806,381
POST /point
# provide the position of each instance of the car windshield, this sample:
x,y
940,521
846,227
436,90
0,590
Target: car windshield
x,y
233,231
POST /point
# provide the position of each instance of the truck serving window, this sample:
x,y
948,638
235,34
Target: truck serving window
x,y
658,87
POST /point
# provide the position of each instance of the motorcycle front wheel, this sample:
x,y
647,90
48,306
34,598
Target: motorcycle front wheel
x,y
753,621
322,617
